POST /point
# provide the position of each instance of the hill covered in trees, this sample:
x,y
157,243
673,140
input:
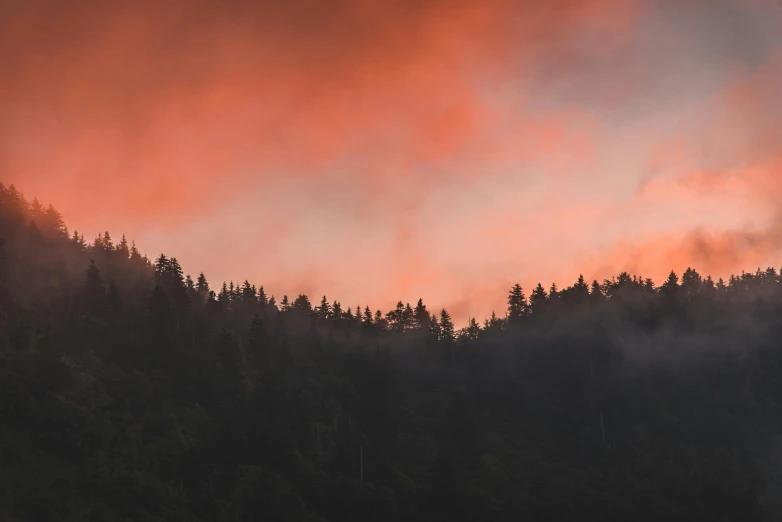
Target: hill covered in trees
x,y
131,391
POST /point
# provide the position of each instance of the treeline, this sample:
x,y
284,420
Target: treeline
x,y
131,391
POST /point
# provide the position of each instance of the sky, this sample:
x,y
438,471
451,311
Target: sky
x,y
384,150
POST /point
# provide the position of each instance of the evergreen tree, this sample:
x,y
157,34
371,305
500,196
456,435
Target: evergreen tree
x,y
107,244
434,332
517,304
473,329
447,334
52,223
421,315
537,299
580,290
134,253
596,295
367,317
248,293
408,319
202,286
123,250
336,311
324,310
302,303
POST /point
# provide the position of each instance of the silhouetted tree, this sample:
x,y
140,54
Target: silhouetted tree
x,y
517,304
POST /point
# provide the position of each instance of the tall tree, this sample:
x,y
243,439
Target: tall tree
x,y
517,304
447,334
537,299
421,315
324,310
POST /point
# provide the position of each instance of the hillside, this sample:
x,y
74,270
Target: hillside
x,y
132,391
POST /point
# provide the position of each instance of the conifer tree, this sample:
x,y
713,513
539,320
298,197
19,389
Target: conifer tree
x,y
324,310
123,250
537,299
202,286
421,315
302,303
596,295
517,304
580,290
447,334
336,311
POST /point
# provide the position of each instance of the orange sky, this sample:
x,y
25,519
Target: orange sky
x,y
377,150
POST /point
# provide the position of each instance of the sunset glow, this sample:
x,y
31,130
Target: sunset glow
x,y
378,150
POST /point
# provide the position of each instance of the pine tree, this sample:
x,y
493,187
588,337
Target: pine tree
x,y
324,310
434,332
248,293
421,315
52,223
473,329
408,319
302,303
517,304
134,253
553,293
36,210
447,334
692,283
108,246
537,299
161,265
202,286
380,321
123,250
580,290
396,317
596,295
224,297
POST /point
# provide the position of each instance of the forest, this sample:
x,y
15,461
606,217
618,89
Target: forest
x,y
130,391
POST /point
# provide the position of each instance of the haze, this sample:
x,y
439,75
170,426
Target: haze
x,y
382,150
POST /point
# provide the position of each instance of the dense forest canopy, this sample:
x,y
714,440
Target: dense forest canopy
x,y
132,391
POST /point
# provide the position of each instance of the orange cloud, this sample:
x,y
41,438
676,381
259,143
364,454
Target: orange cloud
x,y
132,113
375,150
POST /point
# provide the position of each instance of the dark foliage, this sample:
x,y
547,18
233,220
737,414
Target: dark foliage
x,y
128,391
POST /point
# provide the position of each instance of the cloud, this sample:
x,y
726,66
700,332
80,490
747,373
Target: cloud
x,y
375,150
161,112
